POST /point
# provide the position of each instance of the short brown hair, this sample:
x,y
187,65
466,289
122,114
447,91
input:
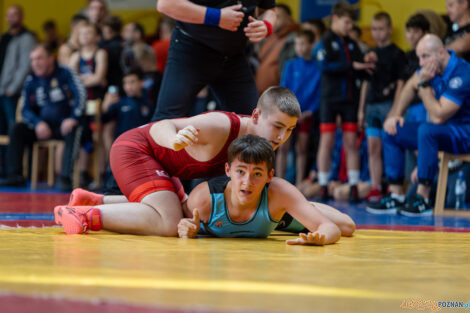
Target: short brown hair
x,y
280,98
342,8
382,16
307,34
251,149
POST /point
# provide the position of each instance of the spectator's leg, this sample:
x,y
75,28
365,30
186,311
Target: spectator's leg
x,y
301,146
281,158
20,137
394,147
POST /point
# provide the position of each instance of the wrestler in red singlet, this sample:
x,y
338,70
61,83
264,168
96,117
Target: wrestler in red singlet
x,y
142,167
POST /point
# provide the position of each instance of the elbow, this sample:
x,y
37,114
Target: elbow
x,y
163,6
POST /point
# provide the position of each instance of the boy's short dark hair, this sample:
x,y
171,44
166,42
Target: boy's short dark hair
x,y
382,16
135,70
138,27
418,21
113,22
358,30
318,23
342,8
77,18
285,8
280,98
49,25
307,34
251,149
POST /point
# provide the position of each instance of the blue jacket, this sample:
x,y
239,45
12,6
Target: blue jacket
x,y
54,98
302,77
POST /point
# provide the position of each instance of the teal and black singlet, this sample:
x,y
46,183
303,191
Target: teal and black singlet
x,y
260,225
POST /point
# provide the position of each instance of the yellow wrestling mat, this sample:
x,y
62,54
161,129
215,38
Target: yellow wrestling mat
x,y
374,271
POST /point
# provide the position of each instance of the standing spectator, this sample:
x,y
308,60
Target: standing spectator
x,y
134,36
91,63
15,46
416,27
269,72
54,100
339,59
71,45
443,84
113,45
97,11
51,34
208,46
377,95
162,45
458,37
302,77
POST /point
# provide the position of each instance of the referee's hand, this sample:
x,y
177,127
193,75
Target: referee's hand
x,y
231,17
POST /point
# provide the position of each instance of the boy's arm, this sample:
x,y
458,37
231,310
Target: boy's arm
x,y
98,78
322,230
362,104
197,208
203,129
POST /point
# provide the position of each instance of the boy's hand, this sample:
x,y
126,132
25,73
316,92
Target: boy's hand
x,y
368,67
256,30
185,137
311,239
371,57
361,120
189,227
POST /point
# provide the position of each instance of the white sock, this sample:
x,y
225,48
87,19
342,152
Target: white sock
x,y
400,198
353,177
323,178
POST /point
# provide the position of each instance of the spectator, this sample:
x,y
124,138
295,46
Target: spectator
x,y
268,73
134,36
97,11
378,93
302,77
54,100
71,45
356,34
316,26
145,60
51,35
162,45
339,59
90,62
208,45
443,84
15,45
458,37
112,43
128,112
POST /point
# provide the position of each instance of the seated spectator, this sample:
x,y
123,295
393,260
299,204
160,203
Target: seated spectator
x,y
54,101
71,45
145,60
302,77
112,43
443,84
131,111
51,35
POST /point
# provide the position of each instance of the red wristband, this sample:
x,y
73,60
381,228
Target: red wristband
x,y
269,27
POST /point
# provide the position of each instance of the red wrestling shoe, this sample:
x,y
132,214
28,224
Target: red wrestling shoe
x,y
81,196
78,219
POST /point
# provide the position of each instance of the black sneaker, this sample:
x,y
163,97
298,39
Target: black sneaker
x,y
416,206
353,194
387,205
